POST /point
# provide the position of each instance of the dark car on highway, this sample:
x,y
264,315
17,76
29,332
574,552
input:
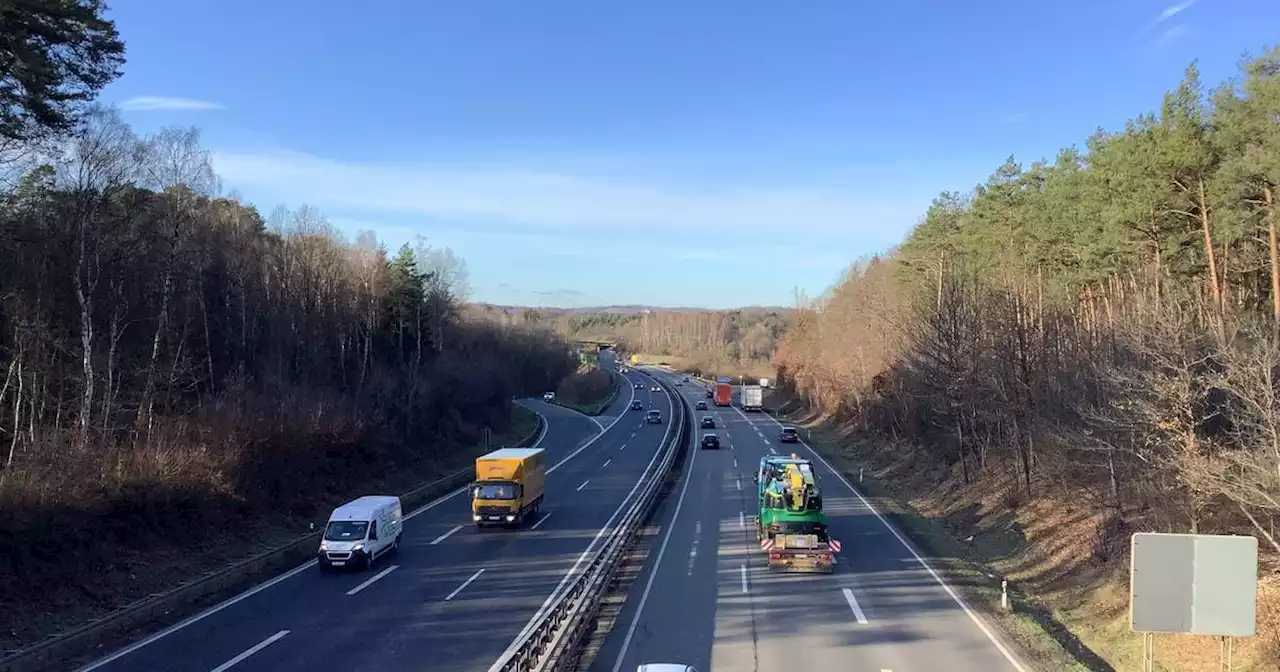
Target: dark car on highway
x,y
789,435
636,405
701,406
639,386
708,422
709,394
653,417
710,441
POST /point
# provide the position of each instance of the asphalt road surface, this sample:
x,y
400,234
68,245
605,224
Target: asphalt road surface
x,y
707,598
454,597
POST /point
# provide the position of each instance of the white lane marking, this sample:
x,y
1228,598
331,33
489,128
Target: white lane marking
x,y
910,549
464,584
633,435
735,462
618,511
693,550
622,447
853,604
606,463
584,484
377,576
584,446
742,521
653,573
744,577
773,451
256,648
766,442
739,482
446,535
541,520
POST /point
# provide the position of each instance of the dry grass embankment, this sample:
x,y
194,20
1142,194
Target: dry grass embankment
x,y
1070,609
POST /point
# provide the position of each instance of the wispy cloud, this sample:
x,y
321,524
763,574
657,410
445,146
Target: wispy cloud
x,y
543,201
148,103
557,293
1174,10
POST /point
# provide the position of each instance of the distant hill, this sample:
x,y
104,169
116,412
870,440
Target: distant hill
x,y
632,309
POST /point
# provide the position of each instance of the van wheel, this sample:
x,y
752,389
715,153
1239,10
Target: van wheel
x,y
395,545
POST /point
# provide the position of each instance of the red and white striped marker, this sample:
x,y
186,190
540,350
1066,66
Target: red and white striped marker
x,y
835,545
766,544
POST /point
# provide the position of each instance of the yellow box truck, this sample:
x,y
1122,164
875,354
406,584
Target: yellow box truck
x,y
509,486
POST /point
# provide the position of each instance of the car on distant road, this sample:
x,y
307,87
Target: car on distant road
x,y
708,422
655,388
788,435
549,397
709,394
710,441
637,406
679,382
700,406
639,386
653,417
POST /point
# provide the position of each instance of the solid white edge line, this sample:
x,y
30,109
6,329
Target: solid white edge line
x,y
541,520
446,535
853,604
256,648
546,424
550,598
375,577
977,620
606,463
584,484
653,573
464,584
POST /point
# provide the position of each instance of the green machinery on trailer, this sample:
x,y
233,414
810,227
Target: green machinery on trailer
x,y
791,526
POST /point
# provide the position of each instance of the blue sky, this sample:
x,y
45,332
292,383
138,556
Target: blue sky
x,y
666,152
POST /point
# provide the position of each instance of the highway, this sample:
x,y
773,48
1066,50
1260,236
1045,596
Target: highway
x,y
454,597
707,598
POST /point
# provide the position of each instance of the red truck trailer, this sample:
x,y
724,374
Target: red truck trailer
x,y
723,394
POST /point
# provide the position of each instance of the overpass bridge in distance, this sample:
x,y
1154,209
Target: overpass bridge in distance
x,y
598,344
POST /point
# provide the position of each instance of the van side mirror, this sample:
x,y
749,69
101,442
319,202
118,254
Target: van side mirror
x,y
756,479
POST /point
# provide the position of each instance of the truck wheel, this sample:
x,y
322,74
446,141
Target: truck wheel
x,y
395,545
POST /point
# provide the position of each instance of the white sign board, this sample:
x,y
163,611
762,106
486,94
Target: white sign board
x,y
1197,584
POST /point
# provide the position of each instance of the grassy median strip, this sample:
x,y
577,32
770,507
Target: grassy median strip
x,y
598,406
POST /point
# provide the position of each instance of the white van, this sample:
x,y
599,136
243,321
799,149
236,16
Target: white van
x,y
361,531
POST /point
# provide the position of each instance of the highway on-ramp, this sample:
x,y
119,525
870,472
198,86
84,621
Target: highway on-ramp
x,y
707,598
454,597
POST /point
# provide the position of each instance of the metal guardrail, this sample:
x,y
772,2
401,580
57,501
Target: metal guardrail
x,y
57,650
552,644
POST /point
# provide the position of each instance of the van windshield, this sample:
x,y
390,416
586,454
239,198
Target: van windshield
x,y
346,530
494,491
